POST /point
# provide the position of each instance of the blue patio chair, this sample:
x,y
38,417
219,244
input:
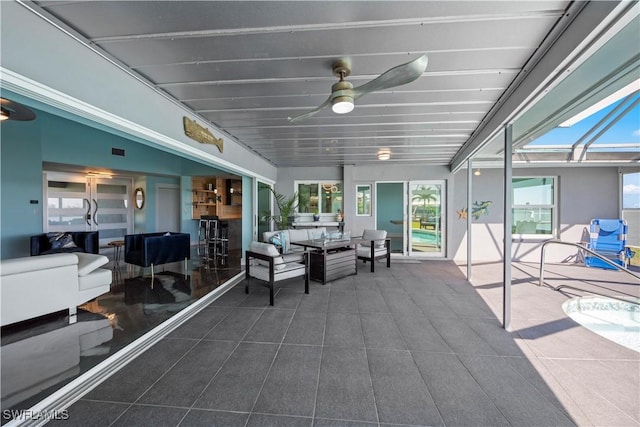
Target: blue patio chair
x,y
608,237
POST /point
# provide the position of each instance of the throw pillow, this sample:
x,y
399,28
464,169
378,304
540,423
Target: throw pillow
x,y
275,240
285,242
61,241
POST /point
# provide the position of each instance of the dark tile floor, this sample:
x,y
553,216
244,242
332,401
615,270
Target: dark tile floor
x,y
412,345
41,355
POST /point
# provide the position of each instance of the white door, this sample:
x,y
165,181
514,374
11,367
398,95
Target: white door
x,y
76,202
168,208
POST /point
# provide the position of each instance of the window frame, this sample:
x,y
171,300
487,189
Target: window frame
x,y
553,206
365,204
318,183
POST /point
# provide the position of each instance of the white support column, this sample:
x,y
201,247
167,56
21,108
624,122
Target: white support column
x,y
508,220
469,217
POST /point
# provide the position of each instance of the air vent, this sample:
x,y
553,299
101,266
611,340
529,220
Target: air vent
x,y
117,152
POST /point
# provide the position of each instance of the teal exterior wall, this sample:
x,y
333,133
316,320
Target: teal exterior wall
x,y
20,182
53,139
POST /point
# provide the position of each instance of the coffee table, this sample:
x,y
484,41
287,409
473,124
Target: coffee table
x,y
332,259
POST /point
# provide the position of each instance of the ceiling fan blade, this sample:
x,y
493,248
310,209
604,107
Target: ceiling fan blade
x,y
301,117
396,76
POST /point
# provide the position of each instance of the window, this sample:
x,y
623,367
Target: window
x,y
363,200
534,206
324,197
631,207
631,190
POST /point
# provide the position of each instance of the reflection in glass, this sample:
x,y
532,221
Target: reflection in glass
x,y
363,200
319,197
331,197
426,215
532,220
533,205
308,198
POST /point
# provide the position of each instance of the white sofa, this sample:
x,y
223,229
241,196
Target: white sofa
x,y
293,253
39,285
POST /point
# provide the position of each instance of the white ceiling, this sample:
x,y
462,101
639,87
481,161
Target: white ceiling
x,y
247,66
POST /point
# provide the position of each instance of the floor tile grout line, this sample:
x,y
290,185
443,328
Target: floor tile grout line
x,y
221,365
366,355
274,358
324,331
155,382
217,371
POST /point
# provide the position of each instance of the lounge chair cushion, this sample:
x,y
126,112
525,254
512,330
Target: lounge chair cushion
x,y
377,235
269,250
365,252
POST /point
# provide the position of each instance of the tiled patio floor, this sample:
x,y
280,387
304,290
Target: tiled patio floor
x,y
412,345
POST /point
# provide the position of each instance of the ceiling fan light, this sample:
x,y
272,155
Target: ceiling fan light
x,y
342,104
11,110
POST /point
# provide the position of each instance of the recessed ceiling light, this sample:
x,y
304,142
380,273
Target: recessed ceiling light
x,y
384,154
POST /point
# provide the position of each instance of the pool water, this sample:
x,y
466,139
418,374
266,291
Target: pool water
x,y
615,320
423,237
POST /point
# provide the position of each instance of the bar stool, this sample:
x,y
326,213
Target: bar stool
x,y
222,240
218,240
204,233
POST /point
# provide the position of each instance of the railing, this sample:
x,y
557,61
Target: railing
x,y
581,247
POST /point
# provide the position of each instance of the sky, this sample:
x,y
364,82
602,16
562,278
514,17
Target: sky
x,y
631,191
626,130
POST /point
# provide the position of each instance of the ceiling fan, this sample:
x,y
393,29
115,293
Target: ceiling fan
x,y
343,94
11,110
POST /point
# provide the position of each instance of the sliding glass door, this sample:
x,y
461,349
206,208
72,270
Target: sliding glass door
x,y
427,216
263,209
414,215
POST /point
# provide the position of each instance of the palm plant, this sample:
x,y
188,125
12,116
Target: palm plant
x,y
286,209
424,194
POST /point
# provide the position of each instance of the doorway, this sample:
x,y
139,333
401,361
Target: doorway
x,y
427,215
390,213
77,202
168,208
414,215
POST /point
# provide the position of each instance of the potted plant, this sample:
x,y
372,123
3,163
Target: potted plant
x,y
286,209
316,216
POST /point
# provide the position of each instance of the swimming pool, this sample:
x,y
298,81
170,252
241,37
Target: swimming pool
x,y
615,320
423,237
